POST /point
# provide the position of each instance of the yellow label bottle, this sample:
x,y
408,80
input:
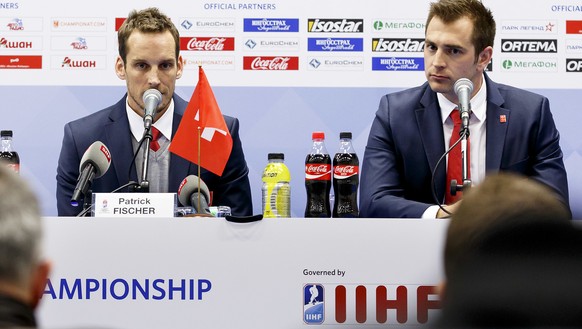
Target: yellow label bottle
x,y
276,189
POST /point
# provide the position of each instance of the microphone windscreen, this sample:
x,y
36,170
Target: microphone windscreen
x,y
152,94
463,83
189,186
98,155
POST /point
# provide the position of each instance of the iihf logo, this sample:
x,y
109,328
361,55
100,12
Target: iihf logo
x,y
313,304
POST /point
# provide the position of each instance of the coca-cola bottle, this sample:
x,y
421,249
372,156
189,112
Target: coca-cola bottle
x,y
318,178
345,178
8,156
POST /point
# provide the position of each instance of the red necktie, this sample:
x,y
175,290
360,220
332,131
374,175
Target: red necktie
x,y
155,145
455,165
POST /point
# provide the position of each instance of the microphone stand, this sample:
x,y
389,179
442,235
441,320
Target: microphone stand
x,y
144,185
465,163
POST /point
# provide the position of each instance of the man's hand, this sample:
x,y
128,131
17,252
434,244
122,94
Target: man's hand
x,y
450,208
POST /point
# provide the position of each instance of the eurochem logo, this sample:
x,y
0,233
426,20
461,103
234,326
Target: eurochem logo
x,y
313,304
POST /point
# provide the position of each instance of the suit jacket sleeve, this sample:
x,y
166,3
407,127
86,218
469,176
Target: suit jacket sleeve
x,y
67,174
388,184
233,188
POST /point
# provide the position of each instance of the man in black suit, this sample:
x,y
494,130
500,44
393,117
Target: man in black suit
x,y
149,58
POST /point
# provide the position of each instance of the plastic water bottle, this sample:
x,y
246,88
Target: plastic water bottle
x,y
276,189
345,178
8,156
318,178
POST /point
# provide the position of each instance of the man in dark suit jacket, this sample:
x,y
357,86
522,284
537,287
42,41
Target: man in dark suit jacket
x,y
148,58
409,133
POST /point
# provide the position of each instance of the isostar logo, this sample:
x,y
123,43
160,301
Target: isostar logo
x,y
270,63
207,43
529,27
344,172
574,65
529,46
317,171
335,44
271,25
15,25
573,27
398,45
530,65
397,64
20,62
79,44
7,44
313,304
338,25
398,25
369,304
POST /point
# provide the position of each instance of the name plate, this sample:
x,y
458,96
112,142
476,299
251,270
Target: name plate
x,y
134,204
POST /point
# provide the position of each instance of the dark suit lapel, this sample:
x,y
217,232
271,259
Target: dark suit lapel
x,y
119,143
430,126
497,122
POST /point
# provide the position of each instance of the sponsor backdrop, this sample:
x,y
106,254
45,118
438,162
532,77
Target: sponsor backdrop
x,y
284,68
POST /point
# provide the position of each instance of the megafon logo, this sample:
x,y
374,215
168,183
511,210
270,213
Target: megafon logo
x,y
368,304
313,304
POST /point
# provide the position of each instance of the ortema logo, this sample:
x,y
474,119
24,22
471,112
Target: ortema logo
x,y
574,27
271,25
313,304
398,64
366,304
345,25
271,63
529,27
398,25
20,62
127,289
28,43
529,65
335,44
398,45
574,65
207,43
529,46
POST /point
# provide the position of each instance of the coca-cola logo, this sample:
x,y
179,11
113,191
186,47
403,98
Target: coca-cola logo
x,y
271,63
317,171
343,172
207,44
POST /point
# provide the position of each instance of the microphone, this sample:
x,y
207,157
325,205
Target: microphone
x,y
463,88
151,98
189,194
94,164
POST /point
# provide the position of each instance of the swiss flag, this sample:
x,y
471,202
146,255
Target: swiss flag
x,y
202,117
